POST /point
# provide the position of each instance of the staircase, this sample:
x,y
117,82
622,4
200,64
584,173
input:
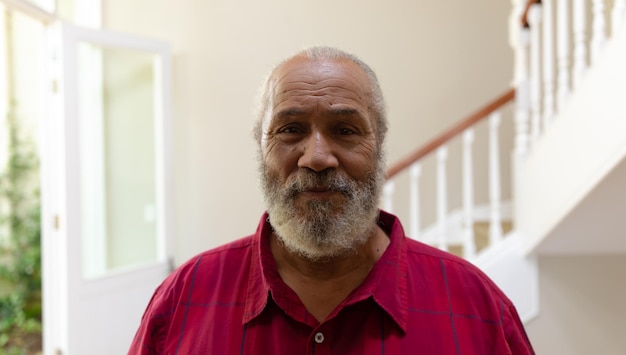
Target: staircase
x,y
549,153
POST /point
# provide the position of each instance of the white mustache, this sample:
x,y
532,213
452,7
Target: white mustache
x,y
307,180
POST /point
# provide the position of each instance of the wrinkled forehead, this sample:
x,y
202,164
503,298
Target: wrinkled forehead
x,y
341,70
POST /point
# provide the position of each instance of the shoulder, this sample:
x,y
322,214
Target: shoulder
x,y
229,257
454,272
232,249
440,283
204,272
211,276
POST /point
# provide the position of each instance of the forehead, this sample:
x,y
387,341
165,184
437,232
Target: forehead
x,y
302,77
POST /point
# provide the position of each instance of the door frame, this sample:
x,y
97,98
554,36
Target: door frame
x,y
63,282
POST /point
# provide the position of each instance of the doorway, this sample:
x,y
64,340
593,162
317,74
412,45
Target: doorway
x,y
21,104
99,184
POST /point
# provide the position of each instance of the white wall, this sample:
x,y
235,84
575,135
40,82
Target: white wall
x,y
436,60
582,306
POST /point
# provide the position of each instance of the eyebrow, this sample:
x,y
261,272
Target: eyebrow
x,y
344,111
289,112
335,111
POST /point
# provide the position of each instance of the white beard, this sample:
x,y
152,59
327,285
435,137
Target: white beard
x,y
323,229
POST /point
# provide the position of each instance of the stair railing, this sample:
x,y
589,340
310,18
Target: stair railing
x,y
544,77
553,52
439,147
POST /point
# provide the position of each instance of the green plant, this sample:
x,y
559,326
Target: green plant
x,y
20,255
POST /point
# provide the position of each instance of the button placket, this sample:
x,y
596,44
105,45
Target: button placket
x,y
320,339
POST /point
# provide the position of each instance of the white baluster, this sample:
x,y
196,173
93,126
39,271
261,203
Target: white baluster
x,y
563,52
415,172
522,100
495,220
580,41
598,36
618,16
469,243
388,190
442,157
534,21
548,61
515,17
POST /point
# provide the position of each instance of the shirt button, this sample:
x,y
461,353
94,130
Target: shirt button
x,y
319,338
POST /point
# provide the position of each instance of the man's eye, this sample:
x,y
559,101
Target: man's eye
x,y
290,129
346,131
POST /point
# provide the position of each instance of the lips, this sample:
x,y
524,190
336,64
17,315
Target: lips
x,y
319,183
319,192
318,189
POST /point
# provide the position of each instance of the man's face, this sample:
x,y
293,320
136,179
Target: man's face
x,y
321,169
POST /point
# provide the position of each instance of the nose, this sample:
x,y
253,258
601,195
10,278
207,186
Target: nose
x,y
318,154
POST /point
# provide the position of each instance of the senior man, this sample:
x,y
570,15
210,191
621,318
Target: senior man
x,y
326,272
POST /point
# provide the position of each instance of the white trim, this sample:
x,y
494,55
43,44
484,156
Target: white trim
x,y
93,170
76,293
54,250
164,155
115,39
4,85
44,15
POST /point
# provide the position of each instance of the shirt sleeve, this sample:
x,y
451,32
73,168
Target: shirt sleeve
x,y
150,337
516,337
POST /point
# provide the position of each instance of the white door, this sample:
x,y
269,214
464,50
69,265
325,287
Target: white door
x,y
106,188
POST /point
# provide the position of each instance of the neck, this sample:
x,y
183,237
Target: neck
x,y
324,284
332,267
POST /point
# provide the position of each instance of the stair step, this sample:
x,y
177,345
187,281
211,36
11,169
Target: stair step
x,y
481,236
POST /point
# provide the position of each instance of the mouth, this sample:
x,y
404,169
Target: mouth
x,y
321,192
318,189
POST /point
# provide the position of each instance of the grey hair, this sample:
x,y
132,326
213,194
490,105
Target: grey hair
x,y
376,104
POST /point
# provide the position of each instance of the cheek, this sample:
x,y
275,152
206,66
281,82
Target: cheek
x,y
362,161
279,159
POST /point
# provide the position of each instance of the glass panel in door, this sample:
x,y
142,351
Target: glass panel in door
x,y
117,158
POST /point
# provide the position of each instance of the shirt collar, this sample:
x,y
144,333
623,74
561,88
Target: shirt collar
x,y
385,284
258,286
387,281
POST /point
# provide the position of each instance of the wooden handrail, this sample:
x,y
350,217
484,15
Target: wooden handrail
x,y
451,133
524,18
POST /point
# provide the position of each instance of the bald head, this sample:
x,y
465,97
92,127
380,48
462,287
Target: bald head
x,y
376,104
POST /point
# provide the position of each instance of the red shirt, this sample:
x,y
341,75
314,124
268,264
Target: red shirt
x,y
416,300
